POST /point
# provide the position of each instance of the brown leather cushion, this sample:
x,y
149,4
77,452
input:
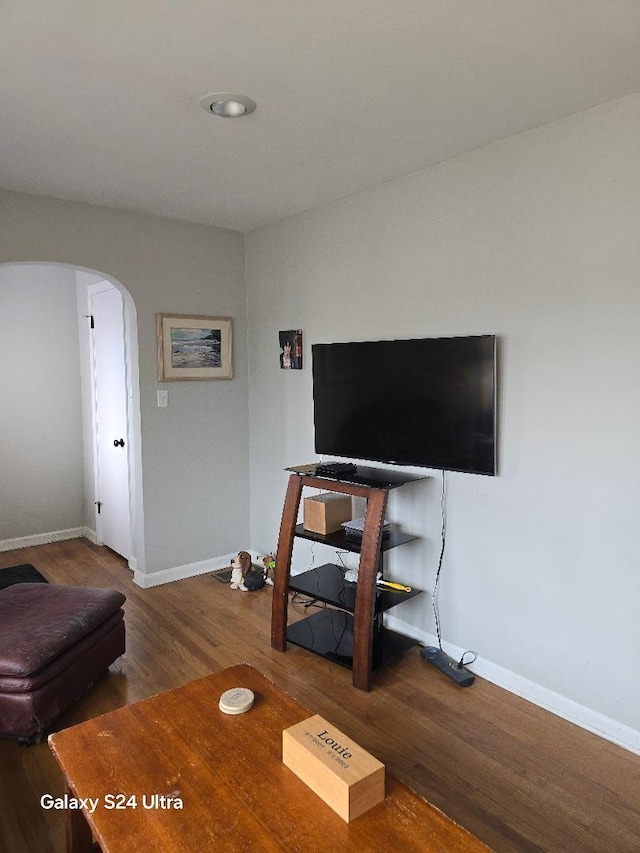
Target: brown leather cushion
x,y
39,622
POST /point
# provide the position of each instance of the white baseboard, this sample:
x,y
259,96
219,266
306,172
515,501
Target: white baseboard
x,y
43,538
91,535
57,536
586,718
191,570
150,579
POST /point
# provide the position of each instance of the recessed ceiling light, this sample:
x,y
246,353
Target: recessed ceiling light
x,y
226,105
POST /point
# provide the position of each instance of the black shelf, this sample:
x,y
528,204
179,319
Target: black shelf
x,y
327,583
329,633
340,540
331,630
376,478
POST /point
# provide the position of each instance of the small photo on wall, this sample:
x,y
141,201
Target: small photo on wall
x,y
291,349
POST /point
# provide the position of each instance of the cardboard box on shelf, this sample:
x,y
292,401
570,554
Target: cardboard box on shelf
x,y
325,513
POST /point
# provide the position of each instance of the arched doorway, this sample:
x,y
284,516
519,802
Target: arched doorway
x,y
44,453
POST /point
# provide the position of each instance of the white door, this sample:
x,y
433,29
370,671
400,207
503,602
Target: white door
x,y
113,525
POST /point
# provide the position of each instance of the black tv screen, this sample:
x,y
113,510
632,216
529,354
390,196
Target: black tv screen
x,y
428,402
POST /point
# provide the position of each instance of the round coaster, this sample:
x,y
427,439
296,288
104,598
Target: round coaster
x,y
236,701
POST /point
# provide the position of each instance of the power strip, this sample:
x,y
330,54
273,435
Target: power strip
x,y
460,675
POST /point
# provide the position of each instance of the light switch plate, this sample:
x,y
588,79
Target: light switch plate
x,y
163,399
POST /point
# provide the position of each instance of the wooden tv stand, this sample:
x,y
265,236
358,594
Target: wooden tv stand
x,y
358,607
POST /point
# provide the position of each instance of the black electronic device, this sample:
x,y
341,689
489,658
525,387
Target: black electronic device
x,y
335,469
451,668
428,402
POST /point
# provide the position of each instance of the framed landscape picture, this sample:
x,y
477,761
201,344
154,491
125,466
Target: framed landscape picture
x,y
193,347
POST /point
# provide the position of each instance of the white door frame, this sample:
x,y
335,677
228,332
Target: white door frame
x,y
92,291
134,432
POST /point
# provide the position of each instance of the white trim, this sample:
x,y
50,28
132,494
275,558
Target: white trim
x,y
43,538
134,422
93,404
91,535
191,570
580,715
181,572
93,290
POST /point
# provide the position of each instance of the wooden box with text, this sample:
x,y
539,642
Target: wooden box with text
x,y
344,775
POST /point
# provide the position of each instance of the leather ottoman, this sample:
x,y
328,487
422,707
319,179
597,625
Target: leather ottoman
x,y
54,642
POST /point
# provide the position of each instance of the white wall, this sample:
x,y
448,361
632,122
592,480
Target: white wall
x,y
535,239
195,452
41,457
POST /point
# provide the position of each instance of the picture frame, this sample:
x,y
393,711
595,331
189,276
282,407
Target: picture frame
x,y
290,341
194,347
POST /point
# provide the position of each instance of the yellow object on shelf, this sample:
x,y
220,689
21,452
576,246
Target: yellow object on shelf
x,y
398,586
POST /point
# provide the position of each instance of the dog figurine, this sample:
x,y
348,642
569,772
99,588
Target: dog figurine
x,y
240,568
269,564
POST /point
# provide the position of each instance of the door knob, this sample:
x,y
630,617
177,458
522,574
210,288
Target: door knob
x,y
118,442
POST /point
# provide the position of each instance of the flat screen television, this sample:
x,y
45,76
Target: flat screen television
x,y
427,402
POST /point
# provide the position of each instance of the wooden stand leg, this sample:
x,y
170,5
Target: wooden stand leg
x,y
366,591
283,564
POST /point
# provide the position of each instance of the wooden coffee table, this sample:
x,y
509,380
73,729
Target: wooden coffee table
x,y
138,763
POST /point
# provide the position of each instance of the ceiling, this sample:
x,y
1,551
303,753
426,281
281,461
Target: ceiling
x,y
99,102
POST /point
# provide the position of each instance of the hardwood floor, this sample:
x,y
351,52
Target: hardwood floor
x,y
516,776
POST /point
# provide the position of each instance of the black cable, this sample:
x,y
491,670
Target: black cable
x,y
443,538
462,662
